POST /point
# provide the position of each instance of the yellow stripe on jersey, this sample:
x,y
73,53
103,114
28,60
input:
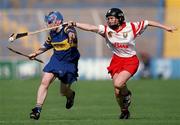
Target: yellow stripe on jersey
x,y
64,45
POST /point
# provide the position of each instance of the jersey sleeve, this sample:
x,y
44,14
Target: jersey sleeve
x,y
101,29
139,27
69,29
47,43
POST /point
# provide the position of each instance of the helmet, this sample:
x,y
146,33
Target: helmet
x,y
116,12
53,17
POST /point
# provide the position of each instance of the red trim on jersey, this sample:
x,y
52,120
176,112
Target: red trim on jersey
x,y
122,27
139,26
105,29
134,29
142,25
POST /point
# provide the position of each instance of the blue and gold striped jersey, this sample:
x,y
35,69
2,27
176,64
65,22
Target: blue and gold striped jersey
x,y
63,48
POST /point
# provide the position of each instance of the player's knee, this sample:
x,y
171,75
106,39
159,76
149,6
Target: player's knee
x,y
116,94
119,84
45,83
63,92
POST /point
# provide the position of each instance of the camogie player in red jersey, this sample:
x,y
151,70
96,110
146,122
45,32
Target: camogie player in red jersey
x,y
120,38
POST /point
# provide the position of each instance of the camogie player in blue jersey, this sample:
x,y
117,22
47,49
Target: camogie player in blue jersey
x,y
63,63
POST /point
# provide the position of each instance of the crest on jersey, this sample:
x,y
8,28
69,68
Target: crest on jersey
x,y
125,34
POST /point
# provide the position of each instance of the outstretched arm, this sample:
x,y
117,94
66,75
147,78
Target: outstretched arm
x,y
159,25
84,26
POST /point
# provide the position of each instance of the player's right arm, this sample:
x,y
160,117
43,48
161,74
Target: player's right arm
x,y
84,26
47,46
38,52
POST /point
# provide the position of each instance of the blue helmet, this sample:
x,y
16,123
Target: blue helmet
x,y
53,17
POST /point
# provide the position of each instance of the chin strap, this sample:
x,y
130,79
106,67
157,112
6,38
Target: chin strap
x,y
114,26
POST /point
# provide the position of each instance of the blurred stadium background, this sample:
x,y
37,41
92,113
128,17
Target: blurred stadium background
x,y
158,50
155,102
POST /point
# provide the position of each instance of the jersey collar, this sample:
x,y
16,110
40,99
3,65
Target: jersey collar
x,y
122,27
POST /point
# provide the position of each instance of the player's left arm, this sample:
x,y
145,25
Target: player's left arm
x,y
162,26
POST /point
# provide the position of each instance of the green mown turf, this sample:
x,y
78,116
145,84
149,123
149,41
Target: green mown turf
x,y
155,102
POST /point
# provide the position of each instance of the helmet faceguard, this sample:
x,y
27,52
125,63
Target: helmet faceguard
x,y
53,17
116,12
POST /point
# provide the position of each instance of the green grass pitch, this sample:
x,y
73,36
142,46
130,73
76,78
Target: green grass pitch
x,y
154,102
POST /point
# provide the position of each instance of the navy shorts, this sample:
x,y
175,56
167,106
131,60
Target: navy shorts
x,y
66,71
